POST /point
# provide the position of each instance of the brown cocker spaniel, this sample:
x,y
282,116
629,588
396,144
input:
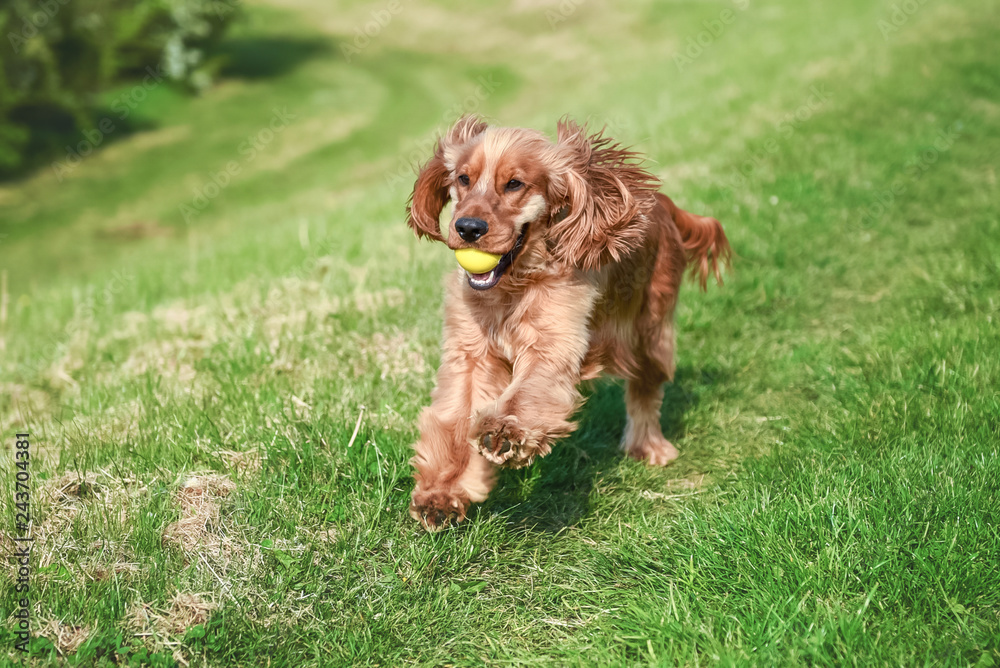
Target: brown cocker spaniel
x,y
591,258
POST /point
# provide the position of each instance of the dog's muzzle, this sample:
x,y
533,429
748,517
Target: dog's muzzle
x,y
493,276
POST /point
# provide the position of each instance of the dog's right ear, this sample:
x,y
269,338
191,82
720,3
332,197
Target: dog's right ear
x,y
430,192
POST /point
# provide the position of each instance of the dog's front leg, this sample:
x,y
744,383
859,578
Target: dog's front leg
x,y
535,409
450,473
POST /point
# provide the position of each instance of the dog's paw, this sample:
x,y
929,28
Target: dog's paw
x,y
437,509
504,442
654,451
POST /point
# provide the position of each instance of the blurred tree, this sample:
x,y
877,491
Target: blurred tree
x,y
56,55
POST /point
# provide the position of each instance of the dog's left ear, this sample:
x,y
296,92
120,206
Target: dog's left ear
x,y
430,192
601,192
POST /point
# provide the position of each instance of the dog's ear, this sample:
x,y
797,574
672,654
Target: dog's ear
x,y
430,192
600,195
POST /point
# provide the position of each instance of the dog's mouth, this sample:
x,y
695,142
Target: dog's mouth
x,y
492,277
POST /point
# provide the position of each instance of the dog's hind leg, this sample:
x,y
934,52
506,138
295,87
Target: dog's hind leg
x,y
643,439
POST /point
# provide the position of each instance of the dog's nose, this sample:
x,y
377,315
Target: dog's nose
x,y
471,229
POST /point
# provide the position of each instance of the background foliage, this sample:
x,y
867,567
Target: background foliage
x,y
57,55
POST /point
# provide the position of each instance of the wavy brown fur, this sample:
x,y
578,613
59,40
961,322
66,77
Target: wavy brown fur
x,y
704,240
592,289
608,196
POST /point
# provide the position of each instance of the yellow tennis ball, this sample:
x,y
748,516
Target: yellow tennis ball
x,y
476,261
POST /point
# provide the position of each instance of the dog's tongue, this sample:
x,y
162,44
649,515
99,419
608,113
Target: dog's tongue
x,y
483,281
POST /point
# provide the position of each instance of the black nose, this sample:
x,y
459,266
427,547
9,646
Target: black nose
x,y
471,229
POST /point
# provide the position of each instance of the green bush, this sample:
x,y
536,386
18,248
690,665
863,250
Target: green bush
x,y
56,55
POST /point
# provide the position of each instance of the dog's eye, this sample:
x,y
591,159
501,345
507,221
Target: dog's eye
x,y
464,179
513,185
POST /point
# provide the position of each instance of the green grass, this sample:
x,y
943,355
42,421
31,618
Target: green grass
x,y
837,403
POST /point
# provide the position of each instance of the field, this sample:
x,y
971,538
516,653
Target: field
x,y
218,332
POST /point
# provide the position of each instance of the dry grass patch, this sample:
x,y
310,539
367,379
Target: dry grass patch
x,y
391,357
67,638
326,535
138,229
20,405
176,336
59,374
106,560
101,505
66,495
110,426
62,500
159,627
173,359
199,529
184,611
244,463
676,489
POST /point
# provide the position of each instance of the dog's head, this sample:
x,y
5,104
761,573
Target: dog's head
x,y
579,200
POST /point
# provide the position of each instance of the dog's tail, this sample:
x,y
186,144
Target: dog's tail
x,y
704,242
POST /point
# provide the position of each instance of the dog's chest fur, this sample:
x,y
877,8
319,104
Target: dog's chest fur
x,y
551,310
591,314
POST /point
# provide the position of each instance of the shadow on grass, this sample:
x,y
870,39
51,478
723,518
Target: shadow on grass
x,y
556,491
55,138
55,141
264,57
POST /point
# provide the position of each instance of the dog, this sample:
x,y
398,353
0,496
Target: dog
x,y
591,262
